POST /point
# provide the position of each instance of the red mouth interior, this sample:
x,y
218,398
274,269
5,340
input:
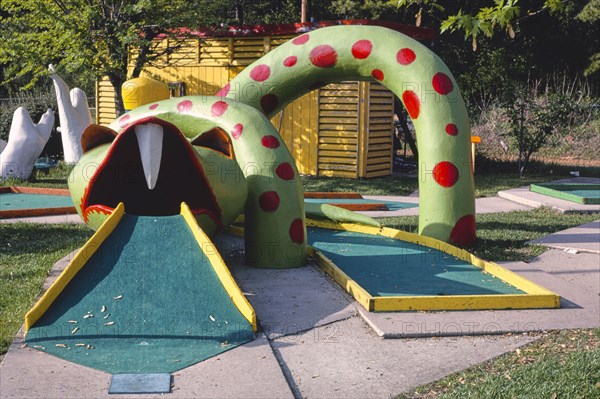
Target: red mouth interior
x,y
120,178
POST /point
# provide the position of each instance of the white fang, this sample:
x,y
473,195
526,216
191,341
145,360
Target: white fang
x,y
150,141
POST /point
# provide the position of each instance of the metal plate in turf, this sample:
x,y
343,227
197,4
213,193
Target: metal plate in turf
x,y
140,383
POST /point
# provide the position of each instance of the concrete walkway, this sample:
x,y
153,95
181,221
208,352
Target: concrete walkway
x,y
316,341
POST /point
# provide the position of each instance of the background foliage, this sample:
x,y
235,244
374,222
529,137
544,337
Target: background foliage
x,y
495,48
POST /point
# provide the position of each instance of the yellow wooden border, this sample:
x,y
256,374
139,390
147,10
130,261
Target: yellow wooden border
x,y
351,286
216,261
80,259
536,296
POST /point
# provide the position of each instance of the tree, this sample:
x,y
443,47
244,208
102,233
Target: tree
x,y
591,14
474,20
90,38
534,116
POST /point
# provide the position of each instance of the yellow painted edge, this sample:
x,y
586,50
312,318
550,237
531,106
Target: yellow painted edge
x,y
80,259
359,293
464,302
220,268
533,290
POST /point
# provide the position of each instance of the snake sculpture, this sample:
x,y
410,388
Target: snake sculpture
x,y
222,156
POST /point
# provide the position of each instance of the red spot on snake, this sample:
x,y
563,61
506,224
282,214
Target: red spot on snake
x,y
463,232
451,129
269,201
412,103
218,108
269,102
301,39
442,83
377,74
153,106
285,171
260,73
224,91
445,174
297,231
290,61
270,141
323,56
405,56
184,107
362,49
236,131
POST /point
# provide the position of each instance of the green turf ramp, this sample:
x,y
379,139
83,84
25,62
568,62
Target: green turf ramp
x,y
147,301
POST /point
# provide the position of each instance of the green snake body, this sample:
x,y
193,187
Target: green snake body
x,y
415,74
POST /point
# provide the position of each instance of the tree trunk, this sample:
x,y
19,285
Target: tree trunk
x,y
117,82
142,57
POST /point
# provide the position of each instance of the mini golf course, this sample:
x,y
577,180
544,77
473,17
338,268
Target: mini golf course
x,y
390,270
27,201
361,204
354,201
581,193
147,300
387,267
151,294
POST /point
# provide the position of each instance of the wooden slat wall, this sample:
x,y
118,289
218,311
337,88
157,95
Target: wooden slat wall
x,y
338,130
379,161
329,131
105,102
298,125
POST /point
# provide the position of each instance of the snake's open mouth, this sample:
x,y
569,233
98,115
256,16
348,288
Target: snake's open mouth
x,y
152,169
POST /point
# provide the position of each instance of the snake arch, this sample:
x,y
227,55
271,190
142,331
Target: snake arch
x,y
275,233
415,74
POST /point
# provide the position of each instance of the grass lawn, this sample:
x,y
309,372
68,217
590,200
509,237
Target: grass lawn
x,y
561,364
55,178
389,185
488,181
504,236
27,253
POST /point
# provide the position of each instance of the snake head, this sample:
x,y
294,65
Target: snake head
x,y
152,168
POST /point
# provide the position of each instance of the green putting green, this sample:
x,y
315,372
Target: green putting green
x,y
391,205
147,301
16,201
586,194
388,267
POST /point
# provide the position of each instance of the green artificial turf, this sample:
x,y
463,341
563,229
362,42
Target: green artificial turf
x,y
147,301
391,205
13,201
387,267
578,193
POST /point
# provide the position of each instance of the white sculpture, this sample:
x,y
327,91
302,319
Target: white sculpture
x,y
26,140
74,115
